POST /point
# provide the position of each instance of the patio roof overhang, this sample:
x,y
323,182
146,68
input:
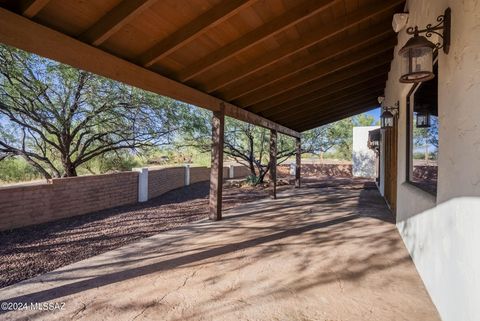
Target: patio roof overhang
x,y
285,65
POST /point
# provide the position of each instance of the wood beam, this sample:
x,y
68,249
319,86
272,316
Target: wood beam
x,y
216,168
337,90
307,110
293,16
299,79
374,68
307,40
298,162
273,164
332,98
338,117
25,34
31,8
344,111
187,33
114,20
239,89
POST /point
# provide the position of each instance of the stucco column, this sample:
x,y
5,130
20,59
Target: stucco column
x,y
142,183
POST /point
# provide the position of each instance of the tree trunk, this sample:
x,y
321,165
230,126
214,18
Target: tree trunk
x,y
70,169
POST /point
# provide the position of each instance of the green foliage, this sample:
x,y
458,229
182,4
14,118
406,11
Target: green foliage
x,y
14,169
253,180
244,143
58,118
363,120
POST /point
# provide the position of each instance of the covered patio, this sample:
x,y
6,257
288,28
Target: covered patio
x,y
281,65
328,251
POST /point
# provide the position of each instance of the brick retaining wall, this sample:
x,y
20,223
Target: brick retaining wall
x,y
65,197
29,204
326,169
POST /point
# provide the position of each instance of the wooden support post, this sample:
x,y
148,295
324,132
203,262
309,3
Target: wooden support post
x,y
216,172
298,167
273,163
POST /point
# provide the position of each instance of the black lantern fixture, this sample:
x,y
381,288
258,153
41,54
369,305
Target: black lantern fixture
x,y
387,118
423,119
417,54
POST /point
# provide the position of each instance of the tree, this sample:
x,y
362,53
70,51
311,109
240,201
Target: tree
x,y
426,137
334,135
57,117
364,120
245,143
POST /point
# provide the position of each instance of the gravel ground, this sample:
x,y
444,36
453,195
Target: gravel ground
x,y
30,251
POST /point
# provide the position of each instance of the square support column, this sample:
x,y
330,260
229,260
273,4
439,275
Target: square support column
x,y
216,172
298,160
273,163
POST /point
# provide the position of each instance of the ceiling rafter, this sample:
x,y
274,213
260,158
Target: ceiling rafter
x,y
333,118
335,89
303,11
31,8
22,33
327,106
376,67
190,31
326,53
335,96
346,108
307,40
115,19
313,74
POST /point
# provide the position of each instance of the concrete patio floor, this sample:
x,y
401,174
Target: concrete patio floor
x,y
327,251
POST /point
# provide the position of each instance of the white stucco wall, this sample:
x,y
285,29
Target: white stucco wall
x,y
442,233
363,158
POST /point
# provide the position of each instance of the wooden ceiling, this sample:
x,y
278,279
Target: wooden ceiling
x,y
297,63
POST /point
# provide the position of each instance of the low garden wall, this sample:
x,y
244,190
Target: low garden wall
x,y
29,204
322,169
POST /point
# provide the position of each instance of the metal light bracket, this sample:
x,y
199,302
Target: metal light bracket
x,y
442,29
395,109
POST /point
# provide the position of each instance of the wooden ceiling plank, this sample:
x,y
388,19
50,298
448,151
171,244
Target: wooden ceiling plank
x,y
307,40
335,89
376,68
187,33
115,19
307,110
303,11
32,7
25,34
333,118
329,97
299,79
323,55
343,110
326,90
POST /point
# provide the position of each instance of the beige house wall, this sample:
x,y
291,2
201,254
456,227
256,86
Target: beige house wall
x,y
442,232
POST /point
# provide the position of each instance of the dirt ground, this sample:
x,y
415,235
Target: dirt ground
x,y
30,251
325,252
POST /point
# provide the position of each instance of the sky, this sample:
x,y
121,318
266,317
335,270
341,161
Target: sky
x,y
375,113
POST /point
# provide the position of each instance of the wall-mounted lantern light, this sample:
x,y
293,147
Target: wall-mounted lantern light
x,y
423,119
388,116
417,54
